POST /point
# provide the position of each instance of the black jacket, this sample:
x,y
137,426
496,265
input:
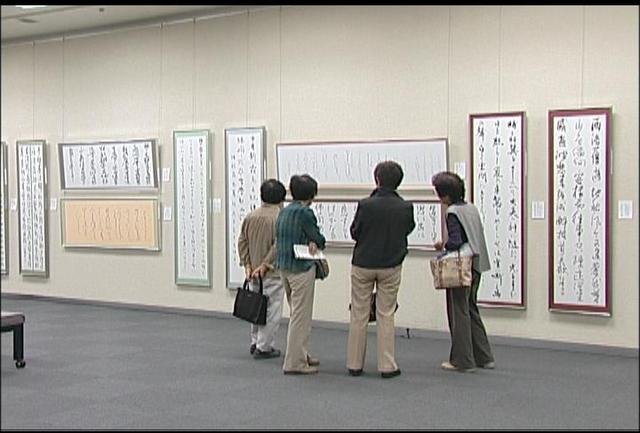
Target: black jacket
x,y
380,228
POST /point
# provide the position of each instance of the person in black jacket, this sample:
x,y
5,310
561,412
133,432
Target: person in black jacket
x,y
380,228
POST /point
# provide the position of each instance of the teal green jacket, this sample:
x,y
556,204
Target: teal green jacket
x,y
296,224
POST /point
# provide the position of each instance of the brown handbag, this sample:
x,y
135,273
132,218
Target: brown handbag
x,y
451,271
322,269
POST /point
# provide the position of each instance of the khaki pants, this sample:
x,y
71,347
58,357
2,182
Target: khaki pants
x,y
387,282
299,287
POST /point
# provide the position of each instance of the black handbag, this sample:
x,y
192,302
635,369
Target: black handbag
x,y
372,312
251,306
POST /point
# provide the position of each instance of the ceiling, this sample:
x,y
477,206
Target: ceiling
x,y
20,25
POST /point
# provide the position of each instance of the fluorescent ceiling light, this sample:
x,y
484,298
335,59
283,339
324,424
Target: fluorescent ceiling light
x,y
31,6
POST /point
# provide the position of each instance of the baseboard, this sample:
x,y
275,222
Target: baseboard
x,y
400,332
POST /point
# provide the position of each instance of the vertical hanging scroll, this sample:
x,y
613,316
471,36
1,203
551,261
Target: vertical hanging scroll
x,y
192,179
579,210
245,171
32,217
4,244
497,173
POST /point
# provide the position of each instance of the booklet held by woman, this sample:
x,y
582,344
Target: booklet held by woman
x,y
301,252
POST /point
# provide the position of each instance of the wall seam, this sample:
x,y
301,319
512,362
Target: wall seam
x,y
193,79
500,19
63,89
33,60
584,13
280,46
246,119
449,78
161,82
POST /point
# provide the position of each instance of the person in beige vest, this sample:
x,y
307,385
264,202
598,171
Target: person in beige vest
x,y
380,228
257,250
469,343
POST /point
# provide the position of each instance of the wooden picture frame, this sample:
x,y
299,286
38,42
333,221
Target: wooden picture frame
x,y
31,157
579,210
113,223
498,189
192,202
245,170
4,210
109,165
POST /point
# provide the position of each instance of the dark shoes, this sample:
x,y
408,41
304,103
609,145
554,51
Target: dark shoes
x,y
259,354
252,349
390,374
353,372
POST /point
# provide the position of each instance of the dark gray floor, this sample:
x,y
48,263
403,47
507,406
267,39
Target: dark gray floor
x,y
95,367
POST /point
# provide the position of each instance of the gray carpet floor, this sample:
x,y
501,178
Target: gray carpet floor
x,y
102,367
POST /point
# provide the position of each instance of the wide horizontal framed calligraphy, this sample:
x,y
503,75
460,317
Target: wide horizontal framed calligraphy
x,y
579,168
32,215
339,164
192,197
245,166
110,223
498,190
112,165
4,228
335,217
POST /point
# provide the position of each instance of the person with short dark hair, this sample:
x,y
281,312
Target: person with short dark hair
x,y
380,228
297,224
257,250
469,343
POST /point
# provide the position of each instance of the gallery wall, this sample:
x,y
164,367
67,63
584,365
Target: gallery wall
x,y
330,73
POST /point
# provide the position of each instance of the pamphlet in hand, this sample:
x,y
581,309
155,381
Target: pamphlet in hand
x,y
301,252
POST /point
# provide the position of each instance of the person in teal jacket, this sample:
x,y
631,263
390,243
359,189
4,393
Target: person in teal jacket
x,y
297,224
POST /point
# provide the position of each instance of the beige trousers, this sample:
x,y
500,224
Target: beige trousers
x,y
299,288
387,282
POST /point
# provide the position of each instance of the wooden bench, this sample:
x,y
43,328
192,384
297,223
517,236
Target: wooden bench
x,y
14,322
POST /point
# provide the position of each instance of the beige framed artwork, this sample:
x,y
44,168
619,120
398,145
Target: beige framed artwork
x,y
111,223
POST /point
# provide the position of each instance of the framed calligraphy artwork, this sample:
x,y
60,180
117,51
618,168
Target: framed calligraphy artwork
x,y
339,164
579,167
498,190
335,218
128,165
245,165
32,215
4,228
192,189
111,223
